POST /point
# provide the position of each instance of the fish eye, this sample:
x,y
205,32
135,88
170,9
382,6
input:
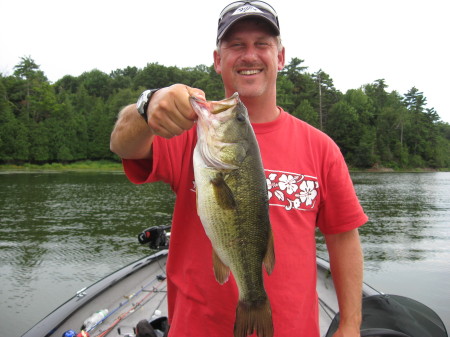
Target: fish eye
x,y
240,117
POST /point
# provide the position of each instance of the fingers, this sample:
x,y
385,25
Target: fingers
x,y
170,112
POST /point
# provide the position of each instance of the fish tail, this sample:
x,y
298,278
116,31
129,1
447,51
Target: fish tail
x,y
253,317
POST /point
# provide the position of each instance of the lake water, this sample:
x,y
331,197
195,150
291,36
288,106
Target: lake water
x,y
60,232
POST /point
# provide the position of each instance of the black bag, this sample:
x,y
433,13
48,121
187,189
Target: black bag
x,y
396,316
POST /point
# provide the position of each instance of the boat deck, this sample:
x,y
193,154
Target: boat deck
x,y
137,291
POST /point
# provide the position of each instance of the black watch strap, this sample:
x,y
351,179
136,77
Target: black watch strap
x,y
144,101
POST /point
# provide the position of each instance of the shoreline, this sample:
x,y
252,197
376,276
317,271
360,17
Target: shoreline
x,y
104,165
87,165
404,170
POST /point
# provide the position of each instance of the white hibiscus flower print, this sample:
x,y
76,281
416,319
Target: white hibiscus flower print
x,y
288,183
307,192
292,191
271,183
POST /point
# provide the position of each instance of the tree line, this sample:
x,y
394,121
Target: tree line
x,y
71,119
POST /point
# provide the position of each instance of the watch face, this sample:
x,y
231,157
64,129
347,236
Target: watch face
x,y
141,102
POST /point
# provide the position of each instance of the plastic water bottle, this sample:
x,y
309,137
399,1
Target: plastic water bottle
x,y
92,320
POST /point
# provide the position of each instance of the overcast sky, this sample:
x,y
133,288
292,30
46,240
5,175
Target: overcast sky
x,y
405,42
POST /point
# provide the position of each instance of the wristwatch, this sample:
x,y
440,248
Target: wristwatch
x,y
143,101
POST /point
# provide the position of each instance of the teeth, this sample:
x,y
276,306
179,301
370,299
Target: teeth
x,y
249,72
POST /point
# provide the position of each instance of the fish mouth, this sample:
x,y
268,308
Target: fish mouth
x,y
210,115
223,105
213,107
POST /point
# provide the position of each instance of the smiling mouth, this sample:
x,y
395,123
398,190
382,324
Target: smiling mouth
x,y
249,72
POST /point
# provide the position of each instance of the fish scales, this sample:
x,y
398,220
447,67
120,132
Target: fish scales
x,y
232,203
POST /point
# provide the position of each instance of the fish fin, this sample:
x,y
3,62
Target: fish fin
x,y
223,193
221,270
196,202
253,318
269,258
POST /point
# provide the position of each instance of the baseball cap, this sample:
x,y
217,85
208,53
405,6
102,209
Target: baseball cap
x,y
240,9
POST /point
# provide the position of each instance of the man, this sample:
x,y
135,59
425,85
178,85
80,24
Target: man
x,y
309,186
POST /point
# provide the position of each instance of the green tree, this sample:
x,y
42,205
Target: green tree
x,y
99,123
154,75
97,83
326,96
364,155
72,119
306,112
442,155
417,137
75,123
28,70
377,93
211,84
364,152
68,83
388,118
358,99
285,96
14,145
343,126
37,99
302,88
123,78
39,143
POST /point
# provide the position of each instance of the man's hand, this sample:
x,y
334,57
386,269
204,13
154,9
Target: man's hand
x,y
170,112
347,332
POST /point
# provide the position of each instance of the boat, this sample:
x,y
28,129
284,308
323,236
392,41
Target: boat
x,y
136,295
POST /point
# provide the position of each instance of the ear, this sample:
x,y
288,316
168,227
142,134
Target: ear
x,y
217,66
281,59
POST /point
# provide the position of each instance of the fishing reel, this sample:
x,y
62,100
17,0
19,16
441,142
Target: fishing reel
x,y
157,237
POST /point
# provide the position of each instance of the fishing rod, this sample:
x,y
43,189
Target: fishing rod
x,y
158,238
134,307
128,299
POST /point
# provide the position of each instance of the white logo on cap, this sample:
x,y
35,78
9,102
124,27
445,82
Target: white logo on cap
x,y
246,9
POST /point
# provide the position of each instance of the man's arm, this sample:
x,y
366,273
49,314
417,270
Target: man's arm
x,y
131,137
169,114
346,261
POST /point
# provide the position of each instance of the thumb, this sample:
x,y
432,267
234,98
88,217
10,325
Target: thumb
x,y
196,93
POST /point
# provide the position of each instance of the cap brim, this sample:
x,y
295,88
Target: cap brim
x,y
267,18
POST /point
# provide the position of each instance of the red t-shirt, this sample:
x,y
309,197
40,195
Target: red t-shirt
x,y
309,185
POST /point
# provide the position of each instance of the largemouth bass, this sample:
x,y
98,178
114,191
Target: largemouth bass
x,y
232,203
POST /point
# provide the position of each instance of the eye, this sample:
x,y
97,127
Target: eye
x,y
240,117
262,44
236,46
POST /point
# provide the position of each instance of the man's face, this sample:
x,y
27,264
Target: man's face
x,y
249,59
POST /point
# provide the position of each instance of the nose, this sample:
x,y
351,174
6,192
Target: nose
x,y
249,54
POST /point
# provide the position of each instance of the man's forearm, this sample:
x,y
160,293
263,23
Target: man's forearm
x,y
131,137
346,261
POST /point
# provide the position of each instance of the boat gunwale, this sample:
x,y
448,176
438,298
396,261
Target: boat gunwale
x,y
51,322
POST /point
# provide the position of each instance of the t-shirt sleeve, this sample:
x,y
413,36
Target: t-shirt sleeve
x,y
166,163
340,210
